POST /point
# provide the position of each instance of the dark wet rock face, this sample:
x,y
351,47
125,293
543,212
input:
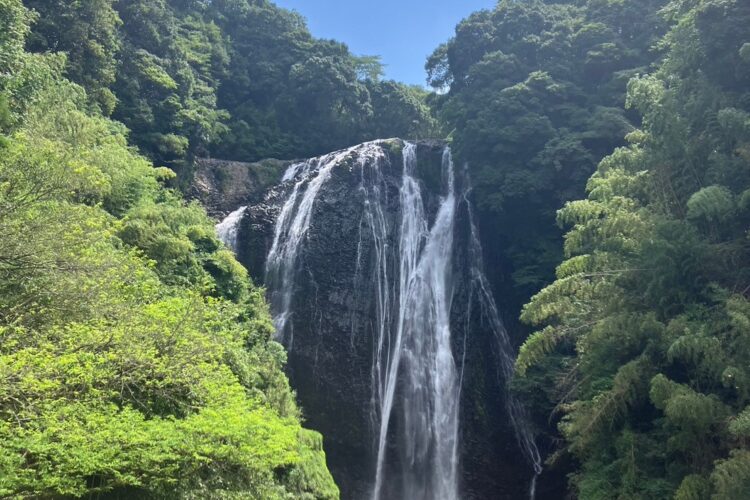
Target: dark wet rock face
x,y
223,186
342,317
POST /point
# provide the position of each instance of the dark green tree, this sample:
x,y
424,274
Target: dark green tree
x,y
647,327
240,79
166,86
534,100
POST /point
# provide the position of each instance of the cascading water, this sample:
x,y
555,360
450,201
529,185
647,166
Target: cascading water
x,y
374,221
420,356
291,228
227,229
405,281
480,291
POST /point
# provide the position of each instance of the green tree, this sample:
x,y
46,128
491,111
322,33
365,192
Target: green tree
x,y
533,99
239,79
650,311
136,355
87,31
400,110
166,85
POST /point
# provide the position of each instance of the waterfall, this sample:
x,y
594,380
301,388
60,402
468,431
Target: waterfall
x,y
291,229
420,355
374,220
405,279
481,290
227,229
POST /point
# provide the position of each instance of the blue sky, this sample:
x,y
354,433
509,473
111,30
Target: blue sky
x,y
402,32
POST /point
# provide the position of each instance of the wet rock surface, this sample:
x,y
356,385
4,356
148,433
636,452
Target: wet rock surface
x,y
223,186
331,332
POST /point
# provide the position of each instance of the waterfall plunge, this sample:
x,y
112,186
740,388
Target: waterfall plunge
x,y
415,378
413,355
227,229
421,349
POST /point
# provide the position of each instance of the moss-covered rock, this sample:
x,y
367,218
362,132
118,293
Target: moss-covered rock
x,y
310,478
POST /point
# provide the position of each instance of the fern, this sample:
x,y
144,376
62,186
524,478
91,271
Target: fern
x,y
537,346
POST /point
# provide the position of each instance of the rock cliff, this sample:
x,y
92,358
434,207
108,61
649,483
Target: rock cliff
x,y
336,258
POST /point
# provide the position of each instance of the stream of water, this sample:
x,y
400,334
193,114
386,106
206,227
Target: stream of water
x,y
416,380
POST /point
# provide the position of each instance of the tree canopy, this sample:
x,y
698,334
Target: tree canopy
x,y
646,326
535,94
242,79
135,352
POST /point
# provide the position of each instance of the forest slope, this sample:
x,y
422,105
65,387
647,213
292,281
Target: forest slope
x,y
135,353
647,327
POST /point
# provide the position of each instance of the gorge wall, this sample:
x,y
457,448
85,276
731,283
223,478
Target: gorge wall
x,y
373,267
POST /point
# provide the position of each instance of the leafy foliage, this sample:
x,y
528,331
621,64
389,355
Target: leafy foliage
x,y
241,79
534,101
90,40
651,309
135,354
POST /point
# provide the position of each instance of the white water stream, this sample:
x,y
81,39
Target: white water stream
x,y
420,356
415,379
227,229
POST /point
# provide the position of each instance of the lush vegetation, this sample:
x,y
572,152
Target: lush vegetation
x,y
645,332
239,79
136,356
535,99
640,350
